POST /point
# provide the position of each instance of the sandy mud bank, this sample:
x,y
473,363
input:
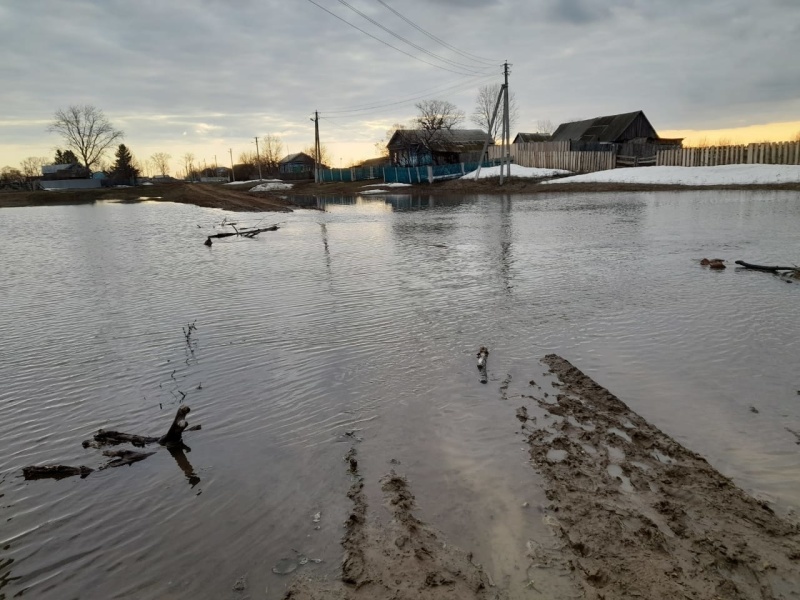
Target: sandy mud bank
x,y
640,516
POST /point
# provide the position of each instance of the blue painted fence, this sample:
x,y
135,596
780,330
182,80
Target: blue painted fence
x,y
403,174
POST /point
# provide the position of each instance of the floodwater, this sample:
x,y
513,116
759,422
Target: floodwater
x,y
365,319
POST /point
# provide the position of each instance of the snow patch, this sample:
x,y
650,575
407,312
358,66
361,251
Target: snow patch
x,y
252,181
721,175
518,171
271,185
387,185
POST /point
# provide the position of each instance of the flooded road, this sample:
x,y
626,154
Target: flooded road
x,y
362,323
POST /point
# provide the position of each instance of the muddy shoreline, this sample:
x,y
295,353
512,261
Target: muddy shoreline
x,y
633,514
238,198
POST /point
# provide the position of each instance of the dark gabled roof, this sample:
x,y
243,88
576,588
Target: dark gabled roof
x,y
532,137
297,156
600,129
50,169
444,139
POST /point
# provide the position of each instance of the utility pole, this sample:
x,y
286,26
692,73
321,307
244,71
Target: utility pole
x,y
316,146
233,173
258,160
506,153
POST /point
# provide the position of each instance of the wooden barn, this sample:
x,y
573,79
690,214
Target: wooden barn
x,y
626,129
418,147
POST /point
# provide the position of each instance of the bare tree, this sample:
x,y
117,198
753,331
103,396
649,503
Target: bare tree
x,y
32,166
434,117
485,102
86,130
188,164
160,162
797,137
724,141
382,146
324,157
545,126
271,151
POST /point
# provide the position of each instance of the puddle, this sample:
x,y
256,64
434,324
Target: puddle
x,y
556,456
662,458
615,455
616,472
620,433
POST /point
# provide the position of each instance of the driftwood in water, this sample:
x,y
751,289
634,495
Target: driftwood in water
x,y
120,458
173,440
113,438
764,267
250,232
105,437
54,472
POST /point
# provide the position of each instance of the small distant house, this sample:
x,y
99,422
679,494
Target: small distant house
x,y
65,171
382,161
418,147
524,138
625,128
297,164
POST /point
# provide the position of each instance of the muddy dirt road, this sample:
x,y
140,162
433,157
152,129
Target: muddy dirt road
x,y
633,513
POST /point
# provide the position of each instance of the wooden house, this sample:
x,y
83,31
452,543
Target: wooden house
x,y
297,165
525,138
419,147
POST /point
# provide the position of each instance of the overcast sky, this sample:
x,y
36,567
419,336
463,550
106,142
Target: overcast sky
x,y
204,76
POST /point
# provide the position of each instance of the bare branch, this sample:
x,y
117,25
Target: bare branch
x,y
86,130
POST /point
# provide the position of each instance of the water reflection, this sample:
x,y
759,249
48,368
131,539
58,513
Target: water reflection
x,y
365,317
179,454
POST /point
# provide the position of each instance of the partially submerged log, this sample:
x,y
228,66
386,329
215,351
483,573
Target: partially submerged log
x,y
54,472
764,267
172,440
106,437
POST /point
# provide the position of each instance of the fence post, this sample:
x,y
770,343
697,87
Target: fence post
x,y
462,167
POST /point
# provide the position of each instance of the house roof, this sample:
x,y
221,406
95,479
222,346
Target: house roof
x,y
532,137
599,129
50,169
297,156
444,139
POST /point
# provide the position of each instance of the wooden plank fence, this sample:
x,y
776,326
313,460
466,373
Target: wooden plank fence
x,y
527,155
775,153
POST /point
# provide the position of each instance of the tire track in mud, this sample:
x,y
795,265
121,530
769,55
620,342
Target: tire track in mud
x,y
643,517
403,559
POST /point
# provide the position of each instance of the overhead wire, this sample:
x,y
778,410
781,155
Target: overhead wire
x,y
385,43
436,39
352,113
410,43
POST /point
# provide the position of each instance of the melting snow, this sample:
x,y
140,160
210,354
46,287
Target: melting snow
x,y
722,175
518,171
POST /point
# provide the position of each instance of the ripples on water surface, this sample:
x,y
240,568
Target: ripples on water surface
x,y
364,317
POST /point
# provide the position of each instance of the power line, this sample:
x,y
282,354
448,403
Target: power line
x,y
402,39
376,107
436,39
387,43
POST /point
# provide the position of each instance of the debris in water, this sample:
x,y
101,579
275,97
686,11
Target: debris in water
x,y
317,517
55,472
713,263
240,585
753,409
285,566
483,354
